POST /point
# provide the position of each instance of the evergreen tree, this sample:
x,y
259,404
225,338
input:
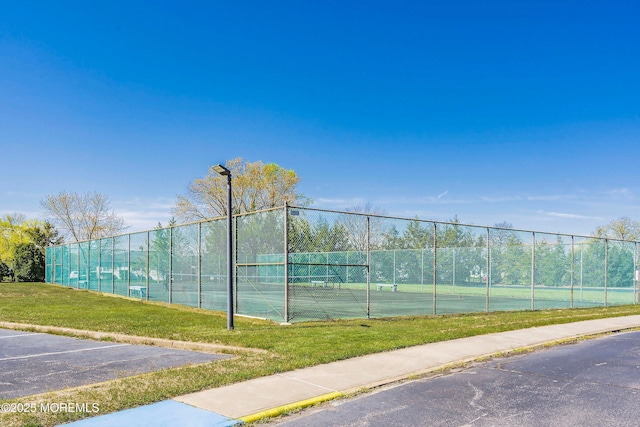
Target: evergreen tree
x,y
29,263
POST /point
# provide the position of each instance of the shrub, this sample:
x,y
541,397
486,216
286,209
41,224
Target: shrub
x,y
5,272
29,263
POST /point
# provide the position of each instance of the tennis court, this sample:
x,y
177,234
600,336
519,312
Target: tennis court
x,y
310,303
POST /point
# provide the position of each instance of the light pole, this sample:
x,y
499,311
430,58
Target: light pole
x,y
226,172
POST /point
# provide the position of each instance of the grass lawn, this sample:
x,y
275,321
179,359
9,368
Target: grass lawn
x,y
288,347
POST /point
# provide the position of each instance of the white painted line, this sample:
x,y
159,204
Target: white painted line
x,y
22,335
63,352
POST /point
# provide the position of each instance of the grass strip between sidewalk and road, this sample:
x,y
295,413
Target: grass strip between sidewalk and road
x,y
285,347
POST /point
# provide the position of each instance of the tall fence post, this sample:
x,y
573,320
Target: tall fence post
x,y
77,264
53,265
148,266
573,265
113,256
435,266
533,270
129,266
54,268
199,265
488,271
368,267
606,268
581,271
88,266
635,273
99,265
286,262
234,265
170,265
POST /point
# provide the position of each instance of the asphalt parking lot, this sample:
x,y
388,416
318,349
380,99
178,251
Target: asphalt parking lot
x,y
33,363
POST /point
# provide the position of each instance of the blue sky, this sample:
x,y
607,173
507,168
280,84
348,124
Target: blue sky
x,y
520,111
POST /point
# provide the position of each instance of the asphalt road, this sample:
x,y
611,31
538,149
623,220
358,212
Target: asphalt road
x,y
589,383
33,363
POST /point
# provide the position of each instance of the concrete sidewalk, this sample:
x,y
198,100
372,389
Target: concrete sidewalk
x,y
251,400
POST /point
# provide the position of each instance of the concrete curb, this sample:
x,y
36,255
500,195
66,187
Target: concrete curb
x,y
132,339
290,407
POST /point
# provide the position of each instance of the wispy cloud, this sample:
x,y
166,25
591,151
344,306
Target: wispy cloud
x,y
499,199
551,198
619,193
17,194
578,211
143,214
423,200
530,198
571,216
323,202
156,203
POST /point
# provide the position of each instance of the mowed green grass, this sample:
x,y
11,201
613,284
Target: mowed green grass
x,y
287,347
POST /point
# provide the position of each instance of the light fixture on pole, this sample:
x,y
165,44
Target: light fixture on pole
x,y
226,172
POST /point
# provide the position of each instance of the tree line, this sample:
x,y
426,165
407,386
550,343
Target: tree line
x,y
460,251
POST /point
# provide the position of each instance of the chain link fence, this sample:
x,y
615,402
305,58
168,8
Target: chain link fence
x,y
298,264
184,264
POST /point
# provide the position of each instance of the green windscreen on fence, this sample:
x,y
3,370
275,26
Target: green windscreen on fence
x,y
121,265
105,267
140,279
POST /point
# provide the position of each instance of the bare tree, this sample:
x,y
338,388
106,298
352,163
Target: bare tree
x,y
82,216
355,225
623,228
14,219
502,234
255,186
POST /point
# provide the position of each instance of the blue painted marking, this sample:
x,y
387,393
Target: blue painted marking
x,y
168,413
